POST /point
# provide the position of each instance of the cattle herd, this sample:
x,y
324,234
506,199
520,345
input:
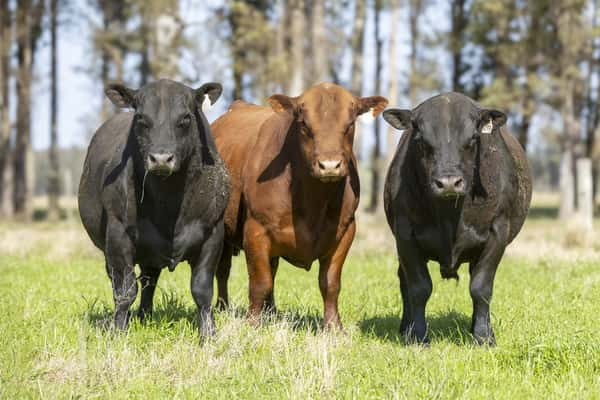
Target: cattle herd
x,y
161,186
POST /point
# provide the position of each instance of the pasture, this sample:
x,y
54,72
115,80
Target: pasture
x,y
56,306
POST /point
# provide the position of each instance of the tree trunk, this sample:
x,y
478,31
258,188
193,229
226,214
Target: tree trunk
x,y
392,134
567,186
459,24
416,7
145,61
297,47
5,73
567,164
376,153
21,191
584,194
54,172
358,34
318,41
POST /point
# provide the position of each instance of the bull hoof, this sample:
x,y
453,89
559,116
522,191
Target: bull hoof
x,y
221,305
270,309
483,334
489,340
334,327
414,336
253,319
144,316
121,321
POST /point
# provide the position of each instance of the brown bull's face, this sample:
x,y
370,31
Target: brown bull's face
x,y
324,117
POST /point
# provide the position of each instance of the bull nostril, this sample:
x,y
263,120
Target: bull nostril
x,y
170,158
321,165
152,158
439,184
458,183
338,165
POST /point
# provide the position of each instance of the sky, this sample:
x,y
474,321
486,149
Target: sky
x,y
80,95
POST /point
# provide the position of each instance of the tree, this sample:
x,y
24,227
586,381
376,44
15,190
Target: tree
x,y
255,60
5,74
393,74
297,29
110,41
414,12
54,175
318,42
457,41
157,38
28,29
357,44
376,151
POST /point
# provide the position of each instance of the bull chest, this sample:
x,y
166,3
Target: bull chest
x,y
303,241
159,247
304,236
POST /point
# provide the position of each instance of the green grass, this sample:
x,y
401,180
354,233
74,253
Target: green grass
x,y
55,341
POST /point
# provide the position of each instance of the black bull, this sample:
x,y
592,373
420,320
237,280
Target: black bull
x,y
458,190
153,192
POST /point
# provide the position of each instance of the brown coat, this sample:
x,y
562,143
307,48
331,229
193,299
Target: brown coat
x,y
295,187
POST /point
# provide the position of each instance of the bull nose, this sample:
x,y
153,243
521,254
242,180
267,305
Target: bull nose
x,y
161,162
329,170
330,167
449,185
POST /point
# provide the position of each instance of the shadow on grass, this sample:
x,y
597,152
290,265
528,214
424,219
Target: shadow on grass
x,y
170,309
451,326
299,321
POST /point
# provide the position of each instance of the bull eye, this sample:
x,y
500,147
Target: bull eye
x,y
350,128
185,121
471,142
141,122
306,131
424,146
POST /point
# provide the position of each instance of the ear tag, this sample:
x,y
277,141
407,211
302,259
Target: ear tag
x,y
368,117
206,105
487,128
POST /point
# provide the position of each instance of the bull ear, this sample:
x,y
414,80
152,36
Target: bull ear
x,y
490,120
399,119
120,95
282,103
375,104
211,90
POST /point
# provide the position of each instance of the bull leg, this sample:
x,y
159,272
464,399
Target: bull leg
x,y
482,281
203,275
406,307
223,276
416,287
269,305
119,253
148,280
257,246
330,272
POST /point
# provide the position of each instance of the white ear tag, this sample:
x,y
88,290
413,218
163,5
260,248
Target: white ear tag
x,y
206,105
487,128
368,117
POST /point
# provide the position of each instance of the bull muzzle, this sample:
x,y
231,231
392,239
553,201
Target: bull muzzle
x,y
162,164
448,186
330,170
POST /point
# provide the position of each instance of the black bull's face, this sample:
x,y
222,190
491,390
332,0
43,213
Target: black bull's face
x,y
445,139
164,123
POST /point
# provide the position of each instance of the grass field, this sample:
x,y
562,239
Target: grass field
x,y
56,305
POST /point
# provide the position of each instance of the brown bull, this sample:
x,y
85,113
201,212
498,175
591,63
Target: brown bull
x,y
295,189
